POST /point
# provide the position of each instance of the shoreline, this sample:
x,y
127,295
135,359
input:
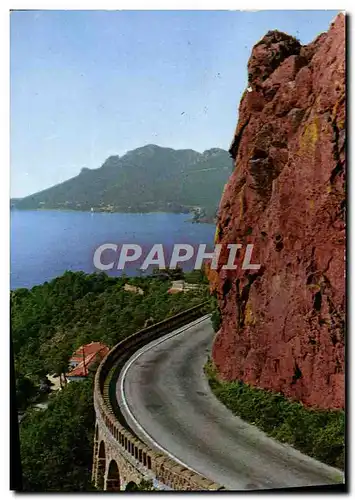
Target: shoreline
x,y
203,220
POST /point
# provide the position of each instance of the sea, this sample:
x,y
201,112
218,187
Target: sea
x,y
46,243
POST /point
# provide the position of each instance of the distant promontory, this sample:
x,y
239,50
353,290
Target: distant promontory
x,y
146,179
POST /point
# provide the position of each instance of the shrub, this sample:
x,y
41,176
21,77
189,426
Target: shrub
x,y
317,433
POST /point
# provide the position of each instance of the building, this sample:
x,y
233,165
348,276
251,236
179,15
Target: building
x,y
134,289
179,286
83,358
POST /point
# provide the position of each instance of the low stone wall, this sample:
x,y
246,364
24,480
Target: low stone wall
x,y
147,461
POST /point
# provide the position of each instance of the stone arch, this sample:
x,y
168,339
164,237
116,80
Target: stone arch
x,y
132,486
101,466
113,482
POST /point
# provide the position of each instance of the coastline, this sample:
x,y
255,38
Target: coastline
x,y
201,220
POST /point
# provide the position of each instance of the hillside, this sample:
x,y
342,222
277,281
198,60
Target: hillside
x,y
48,323
150,178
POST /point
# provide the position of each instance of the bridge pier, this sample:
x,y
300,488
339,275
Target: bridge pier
x,y
95,456
99,466
100,475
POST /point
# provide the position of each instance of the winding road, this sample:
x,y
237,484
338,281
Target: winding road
x,y
166,399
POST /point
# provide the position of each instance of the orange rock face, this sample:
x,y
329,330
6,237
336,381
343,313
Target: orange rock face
x,y
283,325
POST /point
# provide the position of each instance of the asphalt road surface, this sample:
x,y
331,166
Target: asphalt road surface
x,y
166,399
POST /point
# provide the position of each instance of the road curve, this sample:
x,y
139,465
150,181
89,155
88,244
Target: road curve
x,y
166,399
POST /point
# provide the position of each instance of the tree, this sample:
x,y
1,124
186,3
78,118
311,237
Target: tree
x,y
25,391
56,444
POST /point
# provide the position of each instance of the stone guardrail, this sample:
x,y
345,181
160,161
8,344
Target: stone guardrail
x,y
165,470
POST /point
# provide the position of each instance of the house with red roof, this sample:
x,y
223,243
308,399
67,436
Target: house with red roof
x,y
83,358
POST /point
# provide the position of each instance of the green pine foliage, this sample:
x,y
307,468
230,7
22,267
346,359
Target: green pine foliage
x,y
57,443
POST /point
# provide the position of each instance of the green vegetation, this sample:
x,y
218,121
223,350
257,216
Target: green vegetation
x,y
26,392
48,323
317,433
147,179
216,318
57,443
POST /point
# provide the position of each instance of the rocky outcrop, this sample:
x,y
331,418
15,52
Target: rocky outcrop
x,y
283,325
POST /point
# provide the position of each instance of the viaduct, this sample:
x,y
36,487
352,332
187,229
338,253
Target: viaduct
x,y
121,459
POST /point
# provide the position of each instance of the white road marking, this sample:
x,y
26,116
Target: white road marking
x,y
123,395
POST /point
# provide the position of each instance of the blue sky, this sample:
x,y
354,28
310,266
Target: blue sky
x,y
86,85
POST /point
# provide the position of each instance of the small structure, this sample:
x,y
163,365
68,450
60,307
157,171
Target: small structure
x,y
56,382
83,358
134,289
181,286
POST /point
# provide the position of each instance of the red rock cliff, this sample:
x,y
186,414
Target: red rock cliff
x,y
283,325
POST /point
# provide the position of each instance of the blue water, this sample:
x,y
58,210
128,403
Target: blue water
x,y
44,244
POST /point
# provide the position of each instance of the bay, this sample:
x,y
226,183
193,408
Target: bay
x,y
45,244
